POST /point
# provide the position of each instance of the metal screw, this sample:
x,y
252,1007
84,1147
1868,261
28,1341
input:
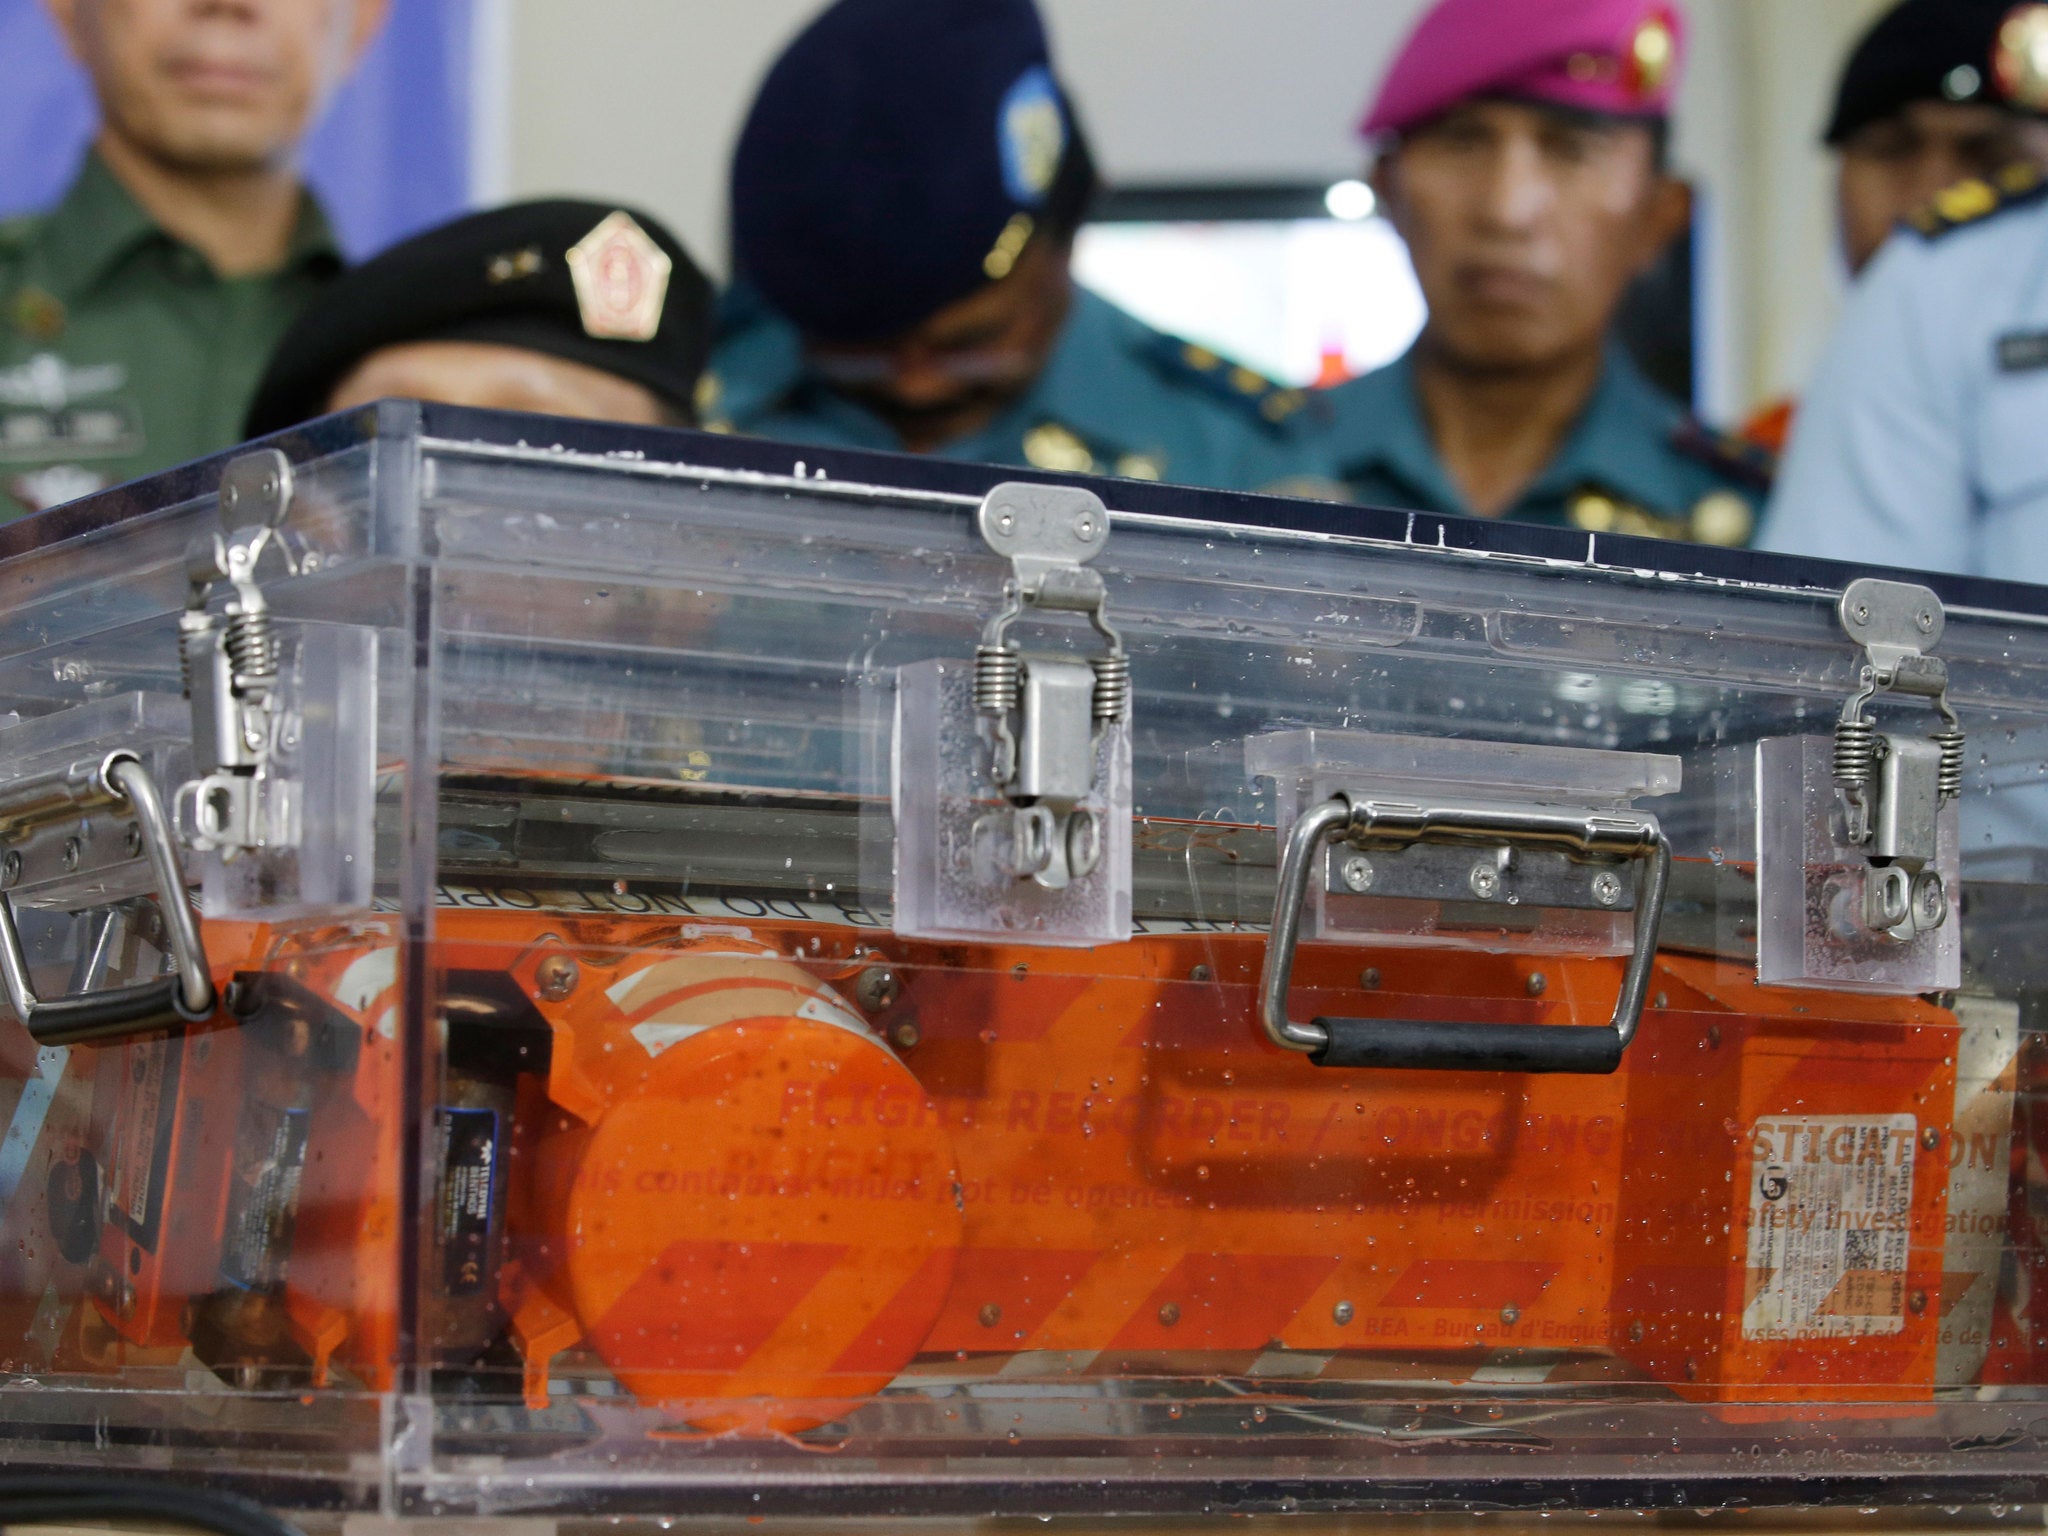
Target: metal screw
x,y
1862,612
1369,978
73,852
1084,525
556,977
1713,1037
1537,982
1485,882
1660,1001
1925,619
907,1034
1607,888
991,1314
1930,1139
1005,519
876,988
1342,1313
1635,1331
10,868
1356,873
1201,973
133,840
1917,1302
1510,1315
1692,1370
1169,1314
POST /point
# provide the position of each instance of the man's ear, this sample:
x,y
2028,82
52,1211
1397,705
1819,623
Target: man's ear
x,y
368,22
1385,180
1668,216
64,15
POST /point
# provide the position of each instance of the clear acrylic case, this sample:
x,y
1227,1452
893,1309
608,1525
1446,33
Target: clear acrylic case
x,y
571,1126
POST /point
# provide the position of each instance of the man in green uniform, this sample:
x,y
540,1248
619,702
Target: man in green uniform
x,y
136,315
1523,163
905,195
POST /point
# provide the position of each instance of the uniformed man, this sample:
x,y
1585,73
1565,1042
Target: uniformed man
x,y
904,201
136,314
560,307
1922,442
1920,107
1522,159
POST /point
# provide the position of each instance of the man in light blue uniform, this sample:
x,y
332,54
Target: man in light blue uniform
x,y
905,195
1522,161
1924,440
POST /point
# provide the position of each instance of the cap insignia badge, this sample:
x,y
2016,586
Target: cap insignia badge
x,y
621,279
2020,62
1031,136
1651,54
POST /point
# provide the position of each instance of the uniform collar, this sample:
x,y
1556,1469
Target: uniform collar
x,y
99,224
1617,444
1075,370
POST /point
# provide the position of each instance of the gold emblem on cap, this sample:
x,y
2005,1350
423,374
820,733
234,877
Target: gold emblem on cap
x,y
621,279
1652,52
2020,62
510,266
1052,446
1001,260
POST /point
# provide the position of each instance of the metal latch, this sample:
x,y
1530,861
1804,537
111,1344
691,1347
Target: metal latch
x,y
238,804
120,782
1044,712
1365,825
1892,787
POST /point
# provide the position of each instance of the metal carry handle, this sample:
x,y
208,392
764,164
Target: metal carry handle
x,y
1429,1045
181,998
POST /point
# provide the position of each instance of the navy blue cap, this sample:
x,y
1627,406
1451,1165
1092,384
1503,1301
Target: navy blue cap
x,y
1922,50
899,155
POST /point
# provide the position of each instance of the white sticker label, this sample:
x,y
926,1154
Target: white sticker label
x,y
1830,1211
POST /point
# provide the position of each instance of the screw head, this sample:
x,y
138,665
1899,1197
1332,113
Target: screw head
x,y
876,988
1510,1315
990,1314
1356,873
1917,1302
556,977
1485,881
1862,612
10,868
1201,973
1635,1331
132,840
1924,619
1005,519
1084,525
1537,982
1342,1313
1169,1314
1930,1139
73,852
908,1034
1607,888
1369,978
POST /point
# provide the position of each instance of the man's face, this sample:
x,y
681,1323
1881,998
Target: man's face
x,y
953,374
212,86
1891,167
498,378
1526,226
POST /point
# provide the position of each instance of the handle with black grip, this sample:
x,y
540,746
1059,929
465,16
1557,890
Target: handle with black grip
x,y
1452,1046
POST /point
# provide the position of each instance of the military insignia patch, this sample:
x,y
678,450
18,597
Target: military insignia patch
x,y
1972,201
1031,136
621,279
1651,54
2020,62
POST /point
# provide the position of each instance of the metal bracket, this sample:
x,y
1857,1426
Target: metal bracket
x,y
1045,714
237,804
1366,825
120,780
1892,787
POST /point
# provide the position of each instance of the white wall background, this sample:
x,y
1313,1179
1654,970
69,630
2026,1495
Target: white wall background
x,y
640,100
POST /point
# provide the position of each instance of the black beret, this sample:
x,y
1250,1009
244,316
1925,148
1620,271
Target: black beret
x,y
1923,50
899,155
589,282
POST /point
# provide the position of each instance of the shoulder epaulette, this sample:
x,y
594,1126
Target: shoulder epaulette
x,y
1254,393
1977,199
1733,457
